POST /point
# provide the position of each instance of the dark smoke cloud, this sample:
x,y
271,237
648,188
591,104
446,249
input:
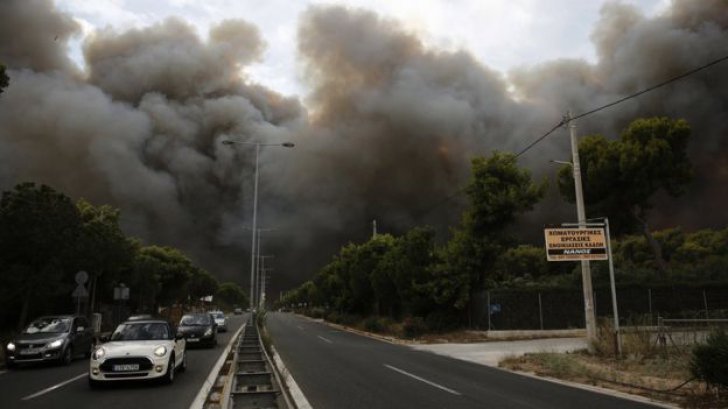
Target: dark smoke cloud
x,y
34,38
388,130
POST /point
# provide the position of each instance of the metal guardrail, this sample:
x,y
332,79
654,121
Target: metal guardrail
x,y
256,382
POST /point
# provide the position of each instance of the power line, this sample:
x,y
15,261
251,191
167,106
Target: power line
x,y
564,121
628,97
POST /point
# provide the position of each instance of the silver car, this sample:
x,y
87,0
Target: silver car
x,y
219,317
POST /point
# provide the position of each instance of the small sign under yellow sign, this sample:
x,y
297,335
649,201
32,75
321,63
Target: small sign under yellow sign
x,y
575,243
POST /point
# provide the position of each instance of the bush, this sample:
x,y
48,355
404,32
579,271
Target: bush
x,y
373,324
333,316
710,361
413,327
379,324
440,322
316,312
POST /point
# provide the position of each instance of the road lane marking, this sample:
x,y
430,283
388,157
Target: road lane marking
x,y
54,387
413,376
2,372
326,339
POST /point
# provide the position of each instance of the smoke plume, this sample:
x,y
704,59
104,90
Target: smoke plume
x,y
386,131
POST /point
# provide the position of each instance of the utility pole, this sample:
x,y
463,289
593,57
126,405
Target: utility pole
x,y
262,283
374,228
589,317
257,265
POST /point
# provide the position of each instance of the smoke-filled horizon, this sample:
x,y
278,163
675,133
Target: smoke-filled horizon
x,y
387,130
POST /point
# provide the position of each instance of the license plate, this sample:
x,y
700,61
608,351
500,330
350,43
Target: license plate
x,y
30,351
192,340
126,367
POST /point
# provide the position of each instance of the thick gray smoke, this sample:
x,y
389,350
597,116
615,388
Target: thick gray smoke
x,y
387,132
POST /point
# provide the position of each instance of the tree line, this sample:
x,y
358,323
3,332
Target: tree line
x,y
46,238
412,276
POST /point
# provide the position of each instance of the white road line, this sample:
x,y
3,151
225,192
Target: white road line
x,y
2,372
326,339
54,387
403,372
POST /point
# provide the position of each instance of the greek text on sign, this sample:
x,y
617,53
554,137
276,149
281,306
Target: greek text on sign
x,y
574,244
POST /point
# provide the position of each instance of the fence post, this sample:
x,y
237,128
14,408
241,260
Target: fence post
x,y
540,310
705,304
661,338
649,303
487,301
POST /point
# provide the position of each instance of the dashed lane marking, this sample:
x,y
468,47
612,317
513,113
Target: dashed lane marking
x,y
54,387
326,339
413,376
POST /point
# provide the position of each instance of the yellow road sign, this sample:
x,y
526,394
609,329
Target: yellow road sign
x,y
575,244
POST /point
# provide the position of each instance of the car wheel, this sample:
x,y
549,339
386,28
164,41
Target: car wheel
x,y
169,376
67,356
93,384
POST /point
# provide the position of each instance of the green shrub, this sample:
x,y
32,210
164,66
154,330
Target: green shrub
x,y
333,316
373,324
316,312
439,321
710,361
413,327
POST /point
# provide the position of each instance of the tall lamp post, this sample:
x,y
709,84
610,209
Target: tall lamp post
x,y
255,204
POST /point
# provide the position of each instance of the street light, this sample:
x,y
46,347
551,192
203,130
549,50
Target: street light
x,y
231,142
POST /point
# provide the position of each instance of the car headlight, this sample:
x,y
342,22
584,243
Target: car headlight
x,y
11,346
55,344
160,351
99,353
208,332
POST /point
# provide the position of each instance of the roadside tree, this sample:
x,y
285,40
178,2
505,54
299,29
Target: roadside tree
x,y
621,177
38,228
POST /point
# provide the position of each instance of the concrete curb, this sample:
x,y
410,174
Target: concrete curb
x,y
596,389
592,388
296,393
389,340
201,397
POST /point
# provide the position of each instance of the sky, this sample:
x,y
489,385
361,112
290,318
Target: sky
x,y
501,34
387,102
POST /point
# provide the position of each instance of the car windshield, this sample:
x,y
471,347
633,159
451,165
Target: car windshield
x,y
201,319
141,331
48,325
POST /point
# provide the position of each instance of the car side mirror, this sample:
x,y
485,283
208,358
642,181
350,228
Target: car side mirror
x,y
104,338
80,329
178,336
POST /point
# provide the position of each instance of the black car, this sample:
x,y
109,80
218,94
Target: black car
x,y
198,329
58,338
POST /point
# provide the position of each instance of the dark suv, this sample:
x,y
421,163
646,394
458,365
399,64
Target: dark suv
x,y
57,338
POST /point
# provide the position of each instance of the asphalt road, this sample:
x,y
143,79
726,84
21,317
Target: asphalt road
x,y
67,387
338,369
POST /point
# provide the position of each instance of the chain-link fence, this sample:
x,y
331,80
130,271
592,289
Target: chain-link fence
x,y
564,308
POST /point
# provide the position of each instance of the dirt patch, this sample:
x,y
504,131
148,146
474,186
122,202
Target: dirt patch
x,y
664,379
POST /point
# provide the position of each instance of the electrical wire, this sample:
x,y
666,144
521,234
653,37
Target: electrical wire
x,y
628,97
565,121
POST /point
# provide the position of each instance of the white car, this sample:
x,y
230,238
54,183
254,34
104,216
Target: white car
x,y
219,318
144,349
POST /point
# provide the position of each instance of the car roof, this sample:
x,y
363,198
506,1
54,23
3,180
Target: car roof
x,y
45,317
149,321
